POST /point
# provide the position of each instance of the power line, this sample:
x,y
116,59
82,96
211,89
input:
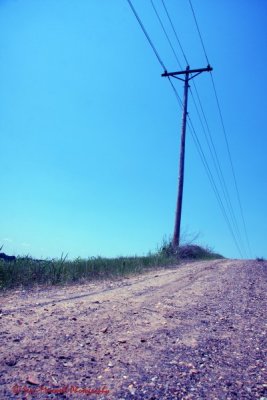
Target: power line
x,y
214,157
232,165
152,45
166,34
146,35
213,184
217,166
208,172
175,33
224,131
200,36
196,140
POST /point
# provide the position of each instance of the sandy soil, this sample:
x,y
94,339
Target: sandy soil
x,y
196,331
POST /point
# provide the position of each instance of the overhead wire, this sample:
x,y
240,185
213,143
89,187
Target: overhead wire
x,y
146,35
150,41
199,33
224,131
217,165
213,184
209,174
232,167
166,34
174,31
195,138
211,148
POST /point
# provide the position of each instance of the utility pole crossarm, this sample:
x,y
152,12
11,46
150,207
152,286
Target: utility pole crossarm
x,y
188,71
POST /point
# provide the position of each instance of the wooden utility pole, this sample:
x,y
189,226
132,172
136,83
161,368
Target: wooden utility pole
x,y
178,214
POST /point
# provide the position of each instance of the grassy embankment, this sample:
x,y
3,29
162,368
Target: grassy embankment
x,y
27,272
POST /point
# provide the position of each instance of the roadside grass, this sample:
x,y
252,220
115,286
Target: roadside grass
x,y
28,272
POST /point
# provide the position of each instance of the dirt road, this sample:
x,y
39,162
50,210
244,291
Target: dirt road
x,y
196,331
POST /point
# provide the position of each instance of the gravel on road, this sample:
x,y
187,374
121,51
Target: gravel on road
x,y
193,331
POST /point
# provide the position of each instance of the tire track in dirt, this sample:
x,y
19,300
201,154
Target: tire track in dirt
x,y
124,284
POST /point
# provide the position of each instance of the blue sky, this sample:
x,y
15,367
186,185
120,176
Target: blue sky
x,y
90,130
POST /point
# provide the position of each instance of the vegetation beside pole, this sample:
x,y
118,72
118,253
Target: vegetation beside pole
x,y
28,272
